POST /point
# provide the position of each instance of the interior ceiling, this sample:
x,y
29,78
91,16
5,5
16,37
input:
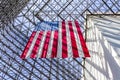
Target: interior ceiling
x,y
18,19
9,9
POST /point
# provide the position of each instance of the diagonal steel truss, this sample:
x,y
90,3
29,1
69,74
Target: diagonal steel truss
x,y
18,19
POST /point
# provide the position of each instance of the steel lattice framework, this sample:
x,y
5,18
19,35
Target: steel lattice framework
x,y
18,19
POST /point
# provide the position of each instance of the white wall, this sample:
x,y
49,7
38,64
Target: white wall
x,y
103,41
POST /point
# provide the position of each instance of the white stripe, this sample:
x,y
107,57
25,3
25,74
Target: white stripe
x,y
32,44
49,52
80,51
41,44
69,46
59,49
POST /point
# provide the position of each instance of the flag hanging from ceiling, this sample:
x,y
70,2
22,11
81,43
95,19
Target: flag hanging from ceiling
x,y
56,40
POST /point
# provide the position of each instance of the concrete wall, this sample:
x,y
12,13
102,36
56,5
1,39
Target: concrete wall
x,y
103,40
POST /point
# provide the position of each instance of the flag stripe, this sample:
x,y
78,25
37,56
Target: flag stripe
x,y
49,52
80,51
41,44
32,44
28,45
36,46
64,41
59,48
73,41
84,47
69,46
46,43
55,44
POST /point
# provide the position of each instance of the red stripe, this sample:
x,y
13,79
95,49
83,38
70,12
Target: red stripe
x,y
84,47
28,45
64,41
55,44
46,43
37,44
73,41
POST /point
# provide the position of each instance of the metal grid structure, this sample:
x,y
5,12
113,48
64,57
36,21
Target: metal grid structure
x,y
18,19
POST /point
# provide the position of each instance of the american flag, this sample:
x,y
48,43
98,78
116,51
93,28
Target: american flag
x,y
60,39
